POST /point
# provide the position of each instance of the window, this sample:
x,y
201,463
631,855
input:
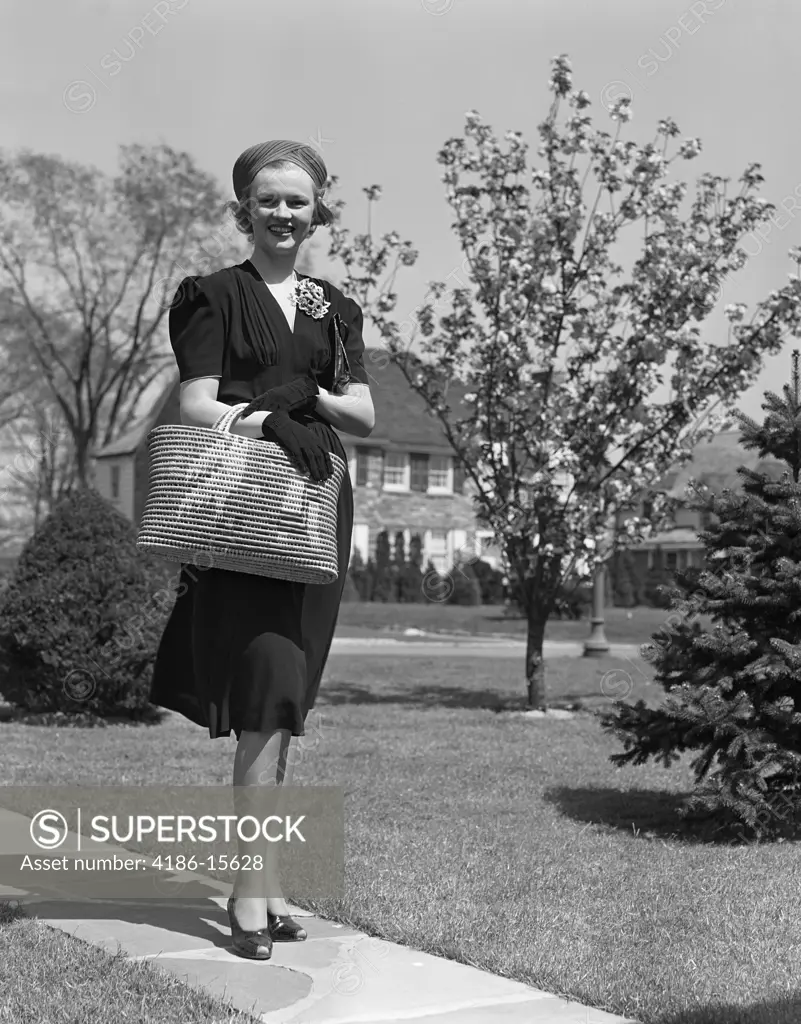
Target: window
x,y
440,474
431,474
396,471
369,467
361,466
115,481
671,560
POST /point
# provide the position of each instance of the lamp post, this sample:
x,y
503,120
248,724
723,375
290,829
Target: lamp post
x,y
596,643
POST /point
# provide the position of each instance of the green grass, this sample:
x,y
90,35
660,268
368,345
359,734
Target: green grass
x,y
49,977
508,843
365,618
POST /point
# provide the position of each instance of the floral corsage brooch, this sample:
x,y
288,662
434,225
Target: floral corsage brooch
x,y
310,299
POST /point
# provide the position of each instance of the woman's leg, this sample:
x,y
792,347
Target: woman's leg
x,y
262,759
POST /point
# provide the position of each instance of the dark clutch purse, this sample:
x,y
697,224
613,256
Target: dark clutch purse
x,y
339,335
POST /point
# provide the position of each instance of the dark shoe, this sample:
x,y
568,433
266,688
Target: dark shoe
x,y
284,928
256,945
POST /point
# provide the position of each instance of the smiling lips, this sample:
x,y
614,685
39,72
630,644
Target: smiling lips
x,y
281,230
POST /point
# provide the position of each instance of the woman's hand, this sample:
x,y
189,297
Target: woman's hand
x,y
300,395
303,447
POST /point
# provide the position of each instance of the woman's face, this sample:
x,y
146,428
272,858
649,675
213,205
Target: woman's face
x,y
281,209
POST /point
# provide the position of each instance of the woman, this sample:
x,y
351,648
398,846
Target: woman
x,y
245,653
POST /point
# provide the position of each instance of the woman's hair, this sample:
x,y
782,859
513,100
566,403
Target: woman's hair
x,y
240,208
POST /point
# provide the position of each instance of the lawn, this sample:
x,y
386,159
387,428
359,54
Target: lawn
x,y
502,841
49,977
623,625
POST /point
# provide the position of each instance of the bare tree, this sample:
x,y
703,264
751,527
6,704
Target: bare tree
x,y
89,264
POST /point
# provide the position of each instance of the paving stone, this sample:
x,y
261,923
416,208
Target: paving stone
x,y
252,986
368,979
148,928
548,1010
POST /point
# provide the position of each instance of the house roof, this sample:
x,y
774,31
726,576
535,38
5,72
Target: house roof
x,y
401,415
129,442
715,463
682,537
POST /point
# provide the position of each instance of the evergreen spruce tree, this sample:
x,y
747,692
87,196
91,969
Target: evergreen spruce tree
x,y
382,580
398,566
624,580
734,691
357,574
412,583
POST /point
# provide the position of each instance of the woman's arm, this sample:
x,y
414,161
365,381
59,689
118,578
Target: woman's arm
x,y
352,412
200,408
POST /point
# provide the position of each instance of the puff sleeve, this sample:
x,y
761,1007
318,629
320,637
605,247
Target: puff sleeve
x,y
197,331
354,343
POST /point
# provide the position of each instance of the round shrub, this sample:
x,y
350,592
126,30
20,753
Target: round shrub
x,y
82,615
490,581
466,589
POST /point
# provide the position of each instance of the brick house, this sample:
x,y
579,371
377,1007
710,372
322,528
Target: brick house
x,y
404,475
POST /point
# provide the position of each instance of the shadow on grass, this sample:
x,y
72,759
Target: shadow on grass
x,y
194,918
439,695
775,1011
654,815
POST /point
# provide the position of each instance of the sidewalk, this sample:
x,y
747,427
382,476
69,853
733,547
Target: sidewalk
x,y
337,976
433,645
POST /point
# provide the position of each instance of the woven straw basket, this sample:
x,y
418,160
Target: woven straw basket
x,y
240,503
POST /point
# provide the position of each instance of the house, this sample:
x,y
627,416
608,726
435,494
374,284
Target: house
x,y
404,475
714,463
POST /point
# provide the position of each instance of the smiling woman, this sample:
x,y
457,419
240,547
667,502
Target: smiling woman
x,y
244,653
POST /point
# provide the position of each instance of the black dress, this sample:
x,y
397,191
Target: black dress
x,y
243,652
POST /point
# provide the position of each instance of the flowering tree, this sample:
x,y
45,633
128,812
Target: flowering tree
x,y
560,346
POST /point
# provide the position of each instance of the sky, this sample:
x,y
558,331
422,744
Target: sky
x,y
380,85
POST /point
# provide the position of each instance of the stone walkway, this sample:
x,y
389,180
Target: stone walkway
x,y
337,976
466,647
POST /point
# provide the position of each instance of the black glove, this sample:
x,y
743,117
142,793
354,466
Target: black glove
x,y
300,395
302,446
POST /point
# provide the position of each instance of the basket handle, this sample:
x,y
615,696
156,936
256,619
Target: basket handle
x,y
226,421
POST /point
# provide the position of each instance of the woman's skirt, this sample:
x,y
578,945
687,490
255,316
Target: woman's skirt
x,y
247,653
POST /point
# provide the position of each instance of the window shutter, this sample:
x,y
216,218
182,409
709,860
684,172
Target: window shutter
x,y
361,467
419,473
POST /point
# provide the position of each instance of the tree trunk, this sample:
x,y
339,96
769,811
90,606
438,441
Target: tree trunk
x,y
83,462
535,662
